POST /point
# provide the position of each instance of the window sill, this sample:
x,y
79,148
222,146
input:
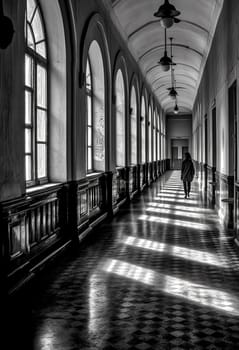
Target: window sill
x,y
94,174
40,188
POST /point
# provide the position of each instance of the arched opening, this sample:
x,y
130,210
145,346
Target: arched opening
x,y
150,134
133,127
158,136
154,138
120,119
143,117
45,94
95,91
36,92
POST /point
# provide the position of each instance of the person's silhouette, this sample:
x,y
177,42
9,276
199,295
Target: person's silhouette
x,y
187,173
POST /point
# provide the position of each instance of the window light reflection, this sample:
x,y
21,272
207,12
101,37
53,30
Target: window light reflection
x,y
48,336
198,293
98,302
175,194
181,252
172,190
176,191
175,200
179,207
167,185
181,223
180,213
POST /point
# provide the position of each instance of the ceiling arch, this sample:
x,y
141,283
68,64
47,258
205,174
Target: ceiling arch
x,y
155,23
192,38
156,67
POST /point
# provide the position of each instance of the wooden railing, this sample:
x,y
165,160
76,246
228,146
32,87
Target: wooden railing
x,y
44,221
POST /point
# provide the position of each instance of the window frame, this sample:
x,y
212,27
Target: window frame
x,y
43,62
149,131
120,138
90,93
143,130
133,131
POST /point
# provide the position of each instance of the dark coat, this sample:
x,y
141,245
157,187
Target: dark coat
x,y
188,171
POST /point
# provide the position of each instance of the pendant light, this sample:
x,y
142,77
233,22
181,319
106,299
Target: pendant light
x,y
167,14
176,109
172,91
165,61
6,29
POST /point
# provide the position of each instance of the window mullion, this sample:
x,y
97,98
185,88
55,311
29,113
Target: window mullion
x,y
35,121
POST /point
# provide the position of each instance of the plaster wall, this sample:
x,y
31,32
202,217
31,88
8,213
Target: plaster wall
x,y
178,128
12,146
220,72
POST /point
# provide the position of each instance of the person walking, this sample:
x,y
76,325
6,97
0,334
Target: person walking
x,y
187,173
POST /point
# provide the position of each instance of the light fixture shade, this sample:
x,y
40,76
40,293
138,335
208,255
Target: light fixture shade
x,y
165,67
166,22
176,110
173,93
6,32
165,62
166,13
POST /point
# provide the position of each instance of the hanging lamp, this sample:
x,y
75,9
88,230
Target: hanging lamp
x,y
172,91
176,109
165,61
6,29
167,14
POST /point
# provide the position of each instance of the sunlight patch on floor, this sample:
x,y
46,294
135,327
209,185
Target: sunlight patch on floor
x,y
181,252
180,207
175,200
169,195
197,293
200,216
176,191
98,303
180,223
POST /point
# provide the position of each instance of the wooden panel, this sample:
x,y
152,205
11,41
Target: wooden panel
x,y
121,183
132,179
83,199
115,187
17,235
30,221
142,175
150,172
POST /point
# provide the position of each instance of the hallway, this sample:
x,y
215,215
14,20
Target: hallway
x,y
163,274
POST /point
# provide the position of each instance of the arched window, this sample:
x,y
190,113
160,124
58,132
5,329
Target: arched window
x,y
133,127
143,116
95,94
150,134
158,137
36,92
154,137
89,93
120,119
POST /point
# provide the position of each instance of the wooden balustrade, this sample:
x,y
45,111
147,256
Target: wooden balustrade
x,y
45,221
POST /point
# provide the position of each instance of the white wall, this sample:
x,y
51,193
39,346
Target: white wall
x,y
179,127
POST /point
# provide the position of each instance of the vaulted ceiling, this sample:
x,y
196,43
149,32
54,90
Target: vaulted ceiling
x,y
192,39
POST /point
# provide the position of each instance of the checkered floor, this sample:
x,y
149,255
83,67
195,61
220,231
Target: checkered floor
x,y
161,275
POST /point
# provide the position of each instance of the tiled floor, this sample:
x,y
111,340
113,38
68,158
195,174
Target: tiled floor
x,y
162,275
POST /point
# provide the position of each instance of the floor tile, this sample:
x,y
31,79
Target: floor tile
x,y
163,274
